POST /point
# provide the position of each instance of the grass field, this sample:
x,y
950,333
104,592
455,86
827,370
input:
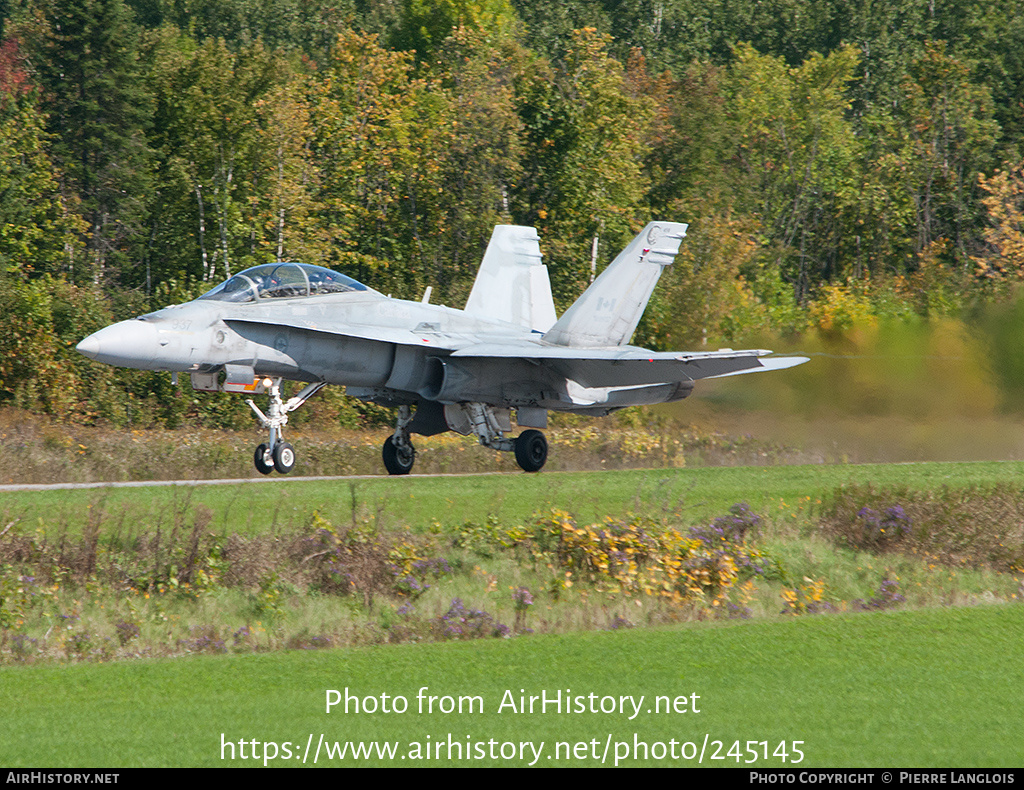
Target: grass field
x,y
929,685
414,502
930,688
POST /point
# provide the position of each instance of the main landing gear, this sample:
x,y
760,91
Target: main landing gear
x,y
530,448
399,454
276,453
490,424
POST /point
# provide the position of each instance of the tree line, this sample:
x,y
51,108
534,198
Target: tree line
x,y
837,161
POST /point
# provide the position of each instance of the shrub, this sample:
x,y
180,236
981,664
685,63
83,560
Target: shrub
x,y
462,623
977,526
887,597
638,557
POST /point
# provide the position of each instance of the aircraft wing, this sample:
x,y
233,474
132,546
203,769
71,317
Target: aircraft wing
x,y
614,366
633,366
422,336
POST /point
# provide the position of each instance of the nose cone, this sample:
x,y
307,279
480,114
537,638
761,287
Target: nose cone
x,y
90,347
127,344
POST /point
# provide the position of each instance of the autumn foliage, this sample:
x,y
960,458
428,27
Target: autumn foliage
x,y
836,168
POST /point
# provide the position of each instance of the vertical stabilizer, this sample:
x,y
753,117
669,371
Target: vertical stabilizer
x,y
609,310
512,284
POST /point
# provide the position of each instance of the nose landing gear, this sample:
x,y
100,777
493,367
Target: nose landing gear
x,y
276,453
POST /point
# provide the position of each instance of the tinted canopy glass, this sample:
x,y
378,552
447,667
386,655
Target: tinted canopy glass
x,y
282,281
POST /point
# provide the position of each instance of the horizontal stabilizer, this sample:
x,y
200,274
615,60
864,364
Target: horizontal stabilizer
x,y
630,365
771,363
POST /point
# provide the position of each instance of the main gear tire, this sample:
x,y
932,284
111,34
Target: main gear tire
x,y
398,460
531,450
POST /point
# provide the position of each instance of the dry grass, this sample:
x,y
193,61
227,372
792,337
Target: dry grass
x,y
34,450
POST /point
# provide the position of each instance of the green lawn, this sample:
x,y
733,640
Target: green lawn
x,y
701,493
930,688
926,688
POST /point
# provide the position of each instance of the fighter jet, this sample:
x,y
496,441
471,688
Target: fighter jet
x,y
443,369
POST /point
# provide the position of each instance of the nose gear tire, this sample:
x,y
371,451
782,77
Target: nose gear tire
x,y
284,458
263,460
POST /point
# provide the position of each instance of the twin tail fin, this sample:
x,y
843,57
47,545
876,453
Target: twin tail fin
x,y
608,312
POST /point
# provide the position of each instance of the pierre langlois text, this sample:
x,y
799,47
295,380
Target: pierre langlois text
x,y
545,701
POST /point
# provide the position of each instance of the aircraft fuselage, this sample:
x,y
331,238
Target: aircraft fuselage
x,y
298,340
462,370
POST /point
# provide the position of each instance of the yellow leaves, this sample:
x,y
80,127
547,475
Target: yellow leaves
x,y
809,598
1004,202
635,558
842,307
403,554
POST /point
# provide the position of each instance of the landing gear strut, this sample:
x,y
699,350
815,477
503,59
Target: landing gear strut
x,y
278,454
487,423
530,448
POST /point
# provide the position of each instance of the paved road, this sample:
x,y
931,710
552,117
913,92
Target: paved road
x,y
154,483
268,479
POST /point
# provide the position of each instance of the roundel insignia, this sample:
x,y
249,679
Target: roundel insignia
x,y
653,235
281,344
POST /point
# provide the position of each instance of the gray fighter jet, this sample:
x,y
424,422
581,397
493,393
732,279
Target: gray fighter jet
x,y
443,369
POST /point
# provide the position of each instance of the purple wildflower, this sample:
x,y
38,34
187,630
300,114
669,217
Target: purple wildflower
x,y
521,599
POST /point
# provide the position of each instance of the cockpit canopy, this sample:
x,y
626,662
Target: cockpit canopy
x,y
282,281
